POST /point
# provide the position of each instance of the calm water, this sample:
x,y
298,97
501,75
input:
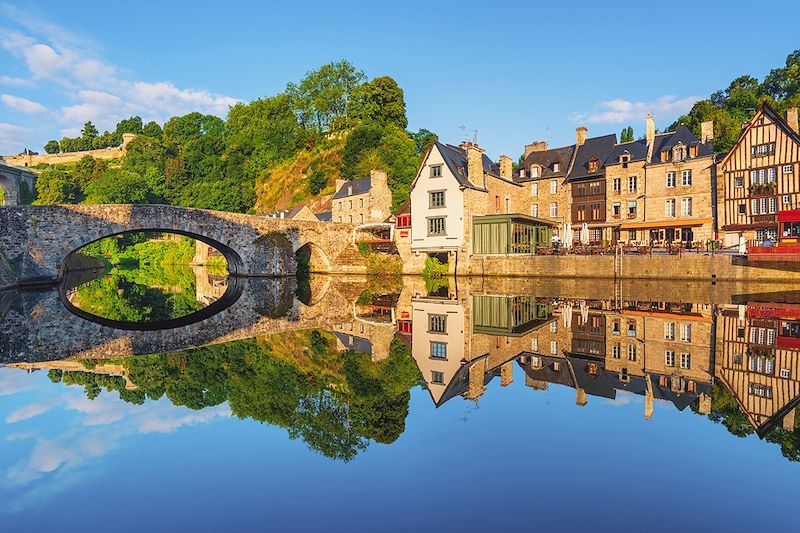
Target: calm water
x,y
516,404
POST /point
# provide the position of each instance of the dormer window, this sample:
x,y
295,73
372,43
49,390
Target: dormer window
x,y
556,166
535,171
679,153
594,164
664,155
693,151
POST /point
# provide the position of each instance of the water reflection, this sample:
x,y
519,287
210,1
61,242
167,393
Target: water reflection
x,y
338,374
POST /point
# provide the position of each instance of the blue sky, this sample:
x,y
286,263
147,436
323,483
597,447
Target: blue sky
x,y
513,71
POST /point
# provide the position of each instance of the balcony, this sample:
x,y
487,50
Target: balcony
x,y
759,190
764,218
631,215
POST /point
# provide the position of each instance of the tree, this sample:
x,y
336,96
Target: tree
x,y
380,101
130,125
143,153
363,139
119,186
626,135
52,147
424,139
152,129
322,98
89,131
317,182
56,186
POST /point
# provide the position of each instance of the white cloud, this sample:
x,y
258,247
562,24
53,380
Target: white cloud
x,y
15,82
23,105
86,86
618,111
11,381
27,412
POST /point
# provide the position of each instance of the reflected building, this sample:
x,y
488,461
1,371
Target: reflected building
x,y
759,361
373,326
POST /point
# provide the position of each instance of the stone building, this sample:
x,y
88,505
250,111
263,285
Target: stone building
x,y
543,172
586,183
759,177
660,188
362,201
301,212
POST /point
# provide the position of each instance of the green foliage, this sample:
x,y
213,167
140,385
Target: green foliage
x,y
360,141
26,195
316,182
380,101
626,135
118,186
52,147
152,129
129,125
425,139
434,269
322,97
364,249
56,186
144,153
732,107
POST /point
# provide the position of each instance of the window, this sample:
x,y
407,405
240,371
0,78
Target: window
x,y
693,151
553,210
631,328
686,178
665,155
758,389
436,199
437,323
632,184
686,361
438,350
617,182
437,377
615,351
616,209
361,218
771,174
631,208
686,207
763,149
686,333
786,199
678,153
669,207
788,169
670,179
556,166
534,171
739,183
742,208
786,373
436,171
631,352
340,218
535,210
436,226
553,187
350,217
773,205
534,189
360,202
535,345
341,206
669,358
669,331
553,327
615,328
350,204
553,347
594,164
631,234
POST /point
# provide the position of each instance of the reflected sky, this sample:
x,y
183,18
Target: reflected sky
x,y
503,428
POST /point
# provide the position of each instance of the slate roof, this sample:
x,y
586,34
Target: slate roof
x,y
455,158
599,147
287,213
667,141
325,217
545,159
354,188
636,149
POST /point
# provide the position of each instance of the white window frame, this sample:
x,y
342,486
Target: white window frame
x,y
669,207
535,189
686,177
686,332
686,361
553,187
788,169
669,331
669,358
670,180
534,210
553,209
686,206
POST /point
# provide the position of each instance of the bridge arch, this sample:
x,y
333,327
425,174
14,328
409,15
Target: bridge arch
x,y
318,260
235,263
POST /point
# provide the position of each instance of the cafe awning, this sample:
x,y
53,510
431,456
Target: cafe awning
x,y
686,223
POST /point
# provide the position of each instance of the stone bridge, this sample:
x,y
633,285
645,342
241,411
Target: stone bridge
x,y
14,181
36,326
35,241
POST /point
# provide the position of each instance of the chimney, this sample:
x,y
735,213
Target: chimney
x,y
706,131
506,374
475,172
791,119
339,184
535,146
580,394
379,178
650,128
581,133
506,168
